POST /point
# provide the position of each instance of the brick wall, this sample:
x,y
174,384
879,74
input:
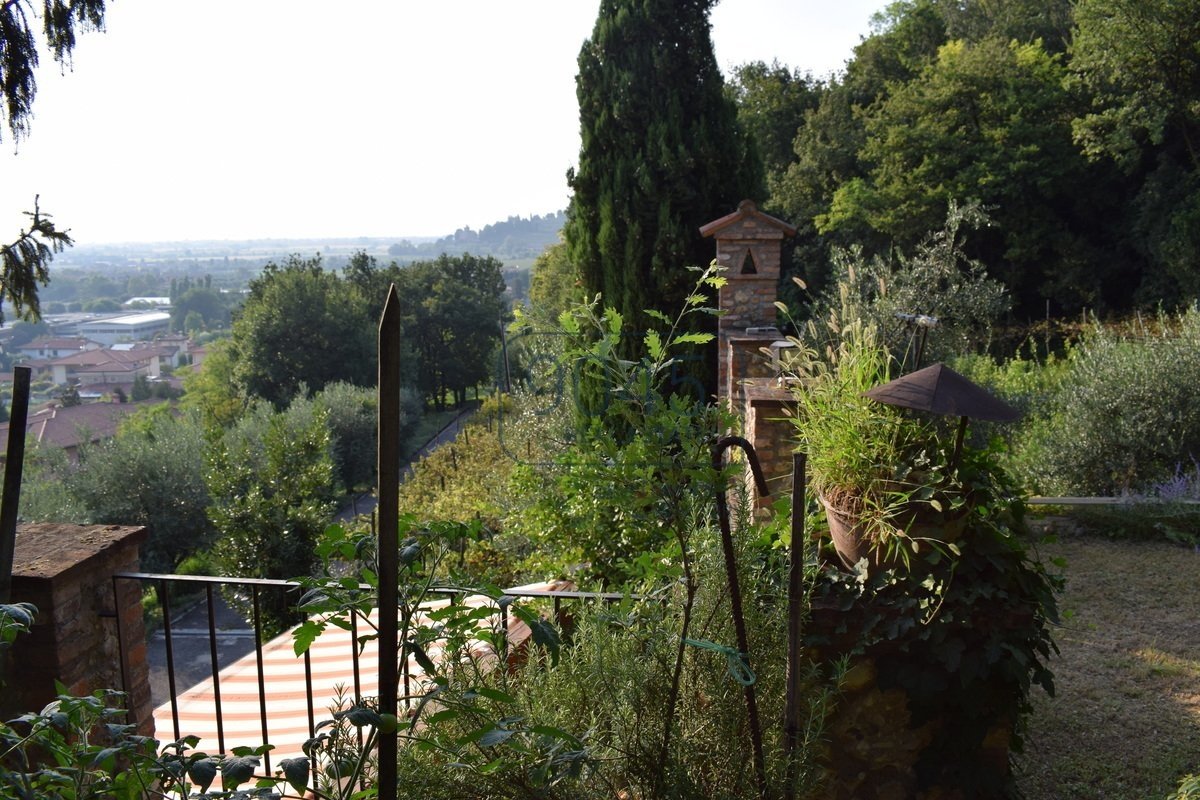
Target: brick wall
x,y
66,571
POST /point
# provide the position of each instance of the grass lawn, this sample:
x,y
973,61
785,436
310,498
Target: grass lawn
x,y
1125,722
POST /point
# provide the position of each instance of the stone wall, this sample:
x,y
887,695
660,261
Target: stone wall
x,y
66,571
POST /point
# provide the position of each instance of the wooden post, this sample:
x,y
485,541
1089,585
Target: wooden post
x,y
389,523
11,501
791,721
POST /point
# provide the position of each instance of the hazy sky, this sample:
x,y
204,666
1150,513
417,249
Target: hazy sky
x,y
241,119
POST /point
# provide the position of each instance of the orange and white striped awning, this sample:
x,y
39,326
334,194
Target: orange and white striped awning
x,y
285,701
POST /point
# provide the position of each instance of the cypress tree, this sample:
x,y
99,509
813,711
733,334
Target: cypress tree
x,y
662,154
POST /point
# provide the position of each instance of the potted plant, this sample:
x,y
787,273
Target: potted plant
x,y
883,475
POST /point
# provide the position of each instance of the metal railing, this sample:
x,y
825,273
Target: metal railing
x,y
204,594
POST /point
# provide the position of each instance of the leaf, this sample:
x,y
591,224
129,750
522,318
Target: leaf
x,y
236,770
423,659
656,314
693,338
305,634
495,694
654,345
556,733
296,770
615,321
360,717
203,773
495,736
441,716
492,766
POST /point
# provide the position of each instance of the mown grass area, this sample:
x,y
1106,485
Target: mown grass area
x,y
1125,721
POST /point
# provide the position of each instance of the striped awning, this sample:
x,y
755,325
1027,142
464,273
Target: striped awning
x,y
286,712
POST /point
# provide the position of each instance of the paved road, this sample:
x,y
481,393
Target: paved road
x,y
364,504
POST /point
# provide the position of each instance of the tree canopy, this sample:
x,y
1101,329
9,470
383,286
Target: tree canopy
x,y
662,153
25,261
301,326
1073,124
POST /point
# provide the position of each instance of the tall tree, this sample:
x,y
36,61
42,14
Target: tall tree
x,y
662,154
301,326
453,308
1140,62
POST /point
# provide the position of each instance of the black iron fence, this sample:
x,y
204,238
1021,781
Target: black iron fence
x,y
199,641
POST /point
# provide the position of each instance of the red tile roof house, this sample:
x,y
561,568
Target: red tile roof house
x,y
51,347
68,428
106,366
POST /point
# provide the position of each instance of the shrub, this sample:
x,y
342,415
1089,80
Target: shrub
x,y
1126,414
937,280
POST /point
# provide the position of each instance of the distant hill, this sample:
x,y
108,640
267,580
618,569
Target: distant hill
x,y
514,238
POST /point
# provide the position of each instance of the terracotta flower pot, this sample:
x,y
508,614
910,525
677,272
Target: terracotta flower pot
x,y
849,535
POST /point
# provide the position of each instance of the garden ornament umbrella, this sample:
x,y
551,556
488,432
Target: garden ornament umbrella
x,y
940,390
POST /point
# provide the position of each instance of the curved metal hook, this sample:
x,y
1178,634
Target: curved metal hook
x,y
726,442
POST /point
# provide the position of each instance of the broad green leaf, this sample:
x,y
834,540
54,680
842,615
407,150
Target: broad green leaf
x,y
360,717
305,635
203,773
443,715
655,314
693,338
492,766
295,771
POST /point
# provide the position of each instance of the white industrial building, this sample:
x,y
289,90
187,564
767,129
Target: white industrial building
x,y
128,328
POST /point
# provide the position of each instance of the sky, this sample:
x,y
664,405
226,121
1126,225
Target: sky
x,y
193,120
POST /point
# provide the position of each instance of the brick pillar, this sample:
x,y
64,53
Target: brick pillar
x,y
66,571
749,246
771,432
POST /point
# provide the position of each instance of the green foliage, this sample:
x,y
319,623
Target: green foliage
x,y
151,473
966,636
24,264
1189,788
772,102
60,22
451,311
988,121
74,749
1139,58
271,481
598,495
140,390
554,282
199,308
937,280
208,389
15,619
662,154
352,417
79,748
301,326
453,308
1125,415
